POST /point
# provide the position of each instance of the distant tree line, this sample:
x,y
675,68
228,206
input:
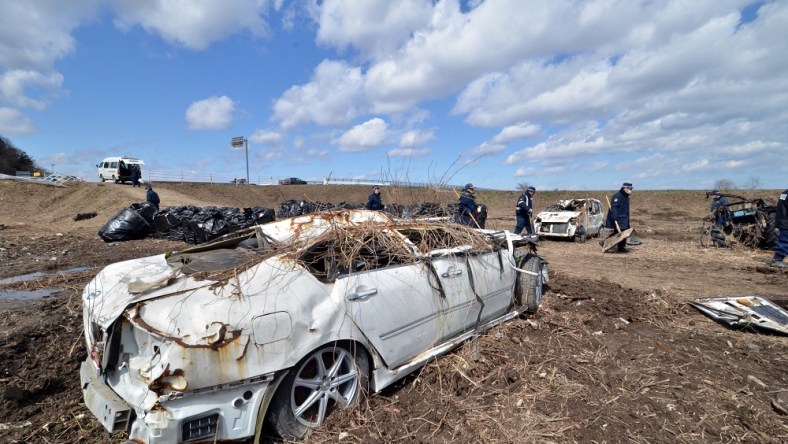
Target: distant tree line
x,y
12,159
753,183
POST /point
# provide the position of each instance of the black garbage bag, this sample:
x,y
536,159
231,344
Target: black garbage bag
x,y
289,208
261,215
146,210
202,228
167,221
126,224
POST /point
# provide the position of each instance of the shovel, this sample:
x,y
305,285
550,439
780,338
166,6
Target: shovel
x,y
613,240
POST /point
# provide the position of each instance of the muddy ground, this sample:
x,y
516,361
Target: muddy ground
x,y
615,353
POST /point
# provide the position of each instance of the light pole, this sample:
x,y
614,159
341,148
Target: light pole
x,y
238,142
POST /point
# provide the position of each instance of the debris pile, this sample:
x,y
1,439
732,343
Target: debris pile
x,y
748,222
290,208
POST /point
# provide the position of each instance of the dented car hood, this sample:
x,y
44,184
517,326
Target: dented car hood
x,y
123,284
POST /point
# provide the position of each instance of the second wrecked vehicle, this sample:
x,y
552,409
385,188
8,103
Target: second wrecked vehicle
x,y
575,219
269,330
743,221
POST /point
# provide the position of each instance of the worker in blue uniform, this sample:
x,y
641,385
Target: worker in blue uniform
x,y
619,212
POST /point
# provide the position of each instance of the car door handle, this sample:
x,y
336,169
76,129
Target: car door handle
x,y
451,273
361,294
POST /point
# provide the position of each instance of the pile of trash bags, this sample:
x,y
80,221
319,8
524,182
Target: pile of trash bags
x,y
290,208
196,225
190,224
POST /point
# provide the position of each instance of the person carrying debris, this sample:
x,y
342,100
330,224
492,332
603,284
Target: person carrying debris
x,y
466,207
718,202
374,202
152,197
781,223
523,211
619,212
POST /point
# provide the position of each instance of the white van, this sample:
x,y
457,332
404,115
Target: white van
x,y
118,169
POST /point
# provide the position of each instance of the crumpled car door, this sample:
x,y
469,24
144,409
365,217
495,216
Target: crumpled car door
x,y
396,308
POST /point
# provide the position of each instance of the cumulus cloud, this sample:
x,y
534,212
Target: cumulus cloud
x,y
268,154
37,34
15,83
415,138
522,130
487,148
374,27
14,123
363,137
525,171
333,97
213,113
194,24
265,137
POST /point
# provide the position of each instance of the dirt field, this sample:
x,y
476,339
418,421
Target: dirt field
x,y
615,354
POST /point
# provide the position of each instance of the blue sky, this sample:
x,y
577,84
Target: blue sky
x,y
559,94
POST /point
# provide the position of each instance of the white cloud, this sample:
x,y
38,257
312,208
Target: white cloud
x,y
331,98
213,113
363,137
374,27
265,137
415,138
194,24
14,83
13,123
701,164
522,130
409,152
268,154
525,171
317,153
487,148
34,35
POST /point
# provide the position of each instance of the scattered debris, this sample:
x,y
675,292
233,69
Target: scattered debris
x,y
744,311
83,216
613,240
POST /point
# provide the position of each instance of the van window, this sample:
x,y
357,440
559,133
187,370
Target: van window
x,y
106,164
114,165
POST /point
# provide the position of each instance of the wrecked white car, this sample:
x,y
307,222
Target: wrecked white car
x,y
266,331
576,219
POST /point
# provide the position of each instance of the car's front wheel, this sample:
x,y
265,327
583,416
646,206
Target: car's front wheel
x,y
335,375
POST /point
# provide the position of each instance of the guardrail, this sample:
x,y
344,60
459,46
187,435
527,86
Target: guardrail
x,y
191,177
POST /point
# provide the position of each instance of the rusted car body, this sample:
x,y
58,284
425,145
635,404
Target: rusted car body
x,y
575,219
265,331
744,221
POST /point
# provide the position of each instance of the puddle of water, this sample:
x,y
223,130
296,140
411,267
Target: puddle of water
x,y
40,274
31,294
